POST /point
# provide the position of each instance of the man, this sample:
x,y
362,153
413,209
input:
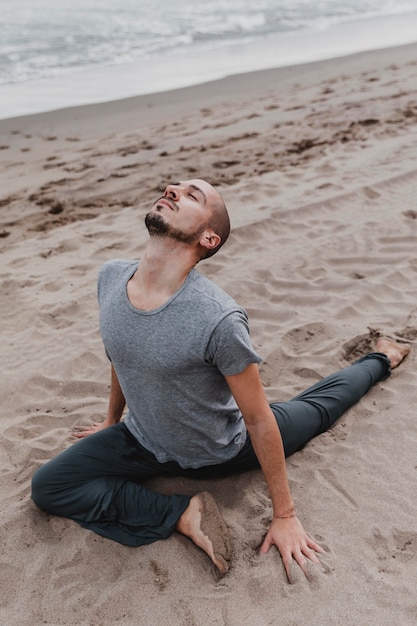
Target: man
x,y
182,360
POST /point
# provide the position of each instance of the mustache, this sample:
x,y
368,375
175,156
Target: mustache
x,y
169,200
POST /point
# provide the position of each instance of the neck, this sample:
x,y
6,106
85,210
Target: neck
x,y
162,270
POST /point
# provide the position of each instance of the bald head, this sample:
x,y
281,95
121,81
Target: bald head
x,y
220,223
219,218
192,212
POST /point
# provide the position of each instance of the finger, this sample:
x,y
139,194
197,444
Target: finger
x,y
80,431
83,433
287,566
311,555
266,544
301,561
315,546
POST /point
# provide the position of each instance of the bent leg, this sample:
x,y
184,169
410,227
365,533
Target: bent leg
x,y
95,483
315,410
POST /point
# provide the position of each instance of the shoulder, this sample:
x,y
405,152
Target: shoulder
x,y
212,294
113,272
116,267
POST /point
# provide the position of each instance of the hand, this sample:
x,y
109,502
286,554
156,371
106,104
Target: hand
x,y
84,431
290,538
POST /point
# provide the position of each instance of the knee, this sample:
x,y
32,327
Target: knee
x,y
41,488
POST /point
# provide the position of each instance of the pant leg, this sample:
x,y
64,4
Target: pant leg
x,y
315,410
310,413
96,483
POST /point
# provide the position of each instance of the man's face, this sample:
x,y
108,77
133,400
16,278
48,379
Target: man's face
x,y
182,213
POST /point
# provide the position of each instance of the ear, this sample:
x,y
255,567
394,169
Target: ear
x,y
209,240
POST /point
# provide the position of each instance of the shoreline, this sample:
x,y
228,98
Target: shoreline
x,y
190,68
119,113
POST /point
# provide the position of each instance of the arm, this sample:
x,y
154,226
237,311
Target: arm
x,y
117,400
286,531
117,403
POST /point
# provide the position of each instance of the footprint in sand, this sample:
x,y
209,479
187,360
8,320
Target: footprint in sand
x,y
393,550
160,576
360,345
412,215
409,332
309,339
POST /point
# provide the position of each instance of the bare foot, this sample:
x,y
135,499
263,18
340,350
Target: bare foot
x,y
396,352
203,524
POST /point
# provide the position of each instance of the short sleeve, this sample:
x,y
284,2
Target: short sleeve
x,y
230,347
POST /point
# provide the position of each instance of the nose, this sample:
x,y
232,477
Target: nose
x,y
172,191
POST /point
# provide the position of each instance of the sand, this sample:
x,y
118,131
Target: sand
x,y
318,166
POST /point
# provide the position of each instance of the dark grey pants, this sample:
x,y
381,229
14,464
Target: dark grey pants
x,y
97,481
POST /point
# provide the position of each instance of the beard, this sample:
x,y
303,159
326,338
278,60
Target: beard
x,y
158,227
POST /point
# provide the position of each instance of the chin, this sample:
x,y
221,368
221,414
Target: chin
x,y
155,223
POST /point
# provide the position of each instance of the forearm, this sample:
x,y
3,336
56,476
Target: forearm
x,y
117,400
267,443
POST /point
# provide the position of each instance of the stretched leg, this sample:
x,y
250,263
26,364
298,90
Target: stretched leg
x,y
95,483
316,409
319,407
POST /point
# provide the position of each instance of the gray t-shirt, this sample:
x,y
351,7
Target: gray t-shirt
x,y
171,364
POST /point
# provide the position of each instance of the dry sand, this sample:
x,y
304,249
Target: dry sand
x,y
318,166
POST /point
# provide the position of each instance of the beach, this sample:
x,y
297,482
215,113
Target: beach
x,y
317,164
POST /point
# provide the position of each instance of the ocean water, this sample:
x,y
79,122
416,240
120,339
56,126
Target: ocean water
x,y
57,53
